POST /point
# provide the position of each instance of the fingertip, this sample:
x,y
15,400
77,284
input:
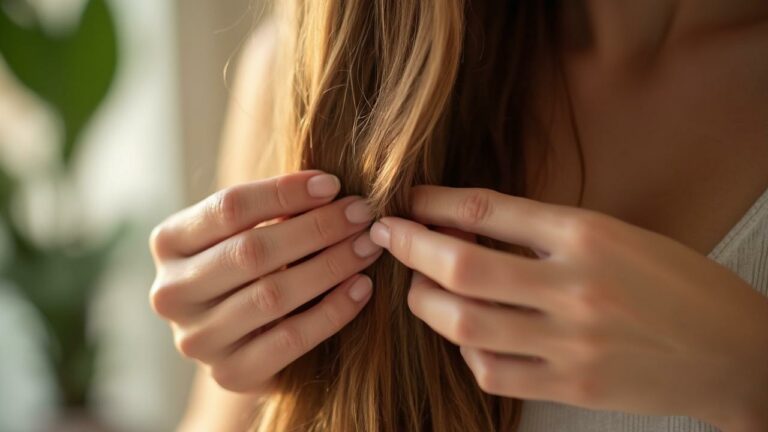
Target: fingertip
x,y
358,212
361,289
380,234
365,247
414,297
323,185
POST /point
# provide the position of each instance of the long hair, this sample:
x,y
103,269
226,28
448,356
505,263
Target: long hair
x,y
388,94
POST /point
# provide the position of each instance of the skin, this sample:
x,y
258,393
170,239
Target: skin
x,y
672,123
603,319
226,289
670,102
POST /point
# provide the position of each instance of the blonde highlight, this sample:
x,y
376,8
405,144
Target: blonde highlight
x,y
380,93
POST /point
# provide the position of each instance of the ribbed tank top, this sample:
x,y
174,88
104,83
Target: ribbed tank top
x,y
744,250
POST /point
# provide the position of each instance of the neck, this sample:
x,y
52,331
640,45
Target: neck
x,y
627,31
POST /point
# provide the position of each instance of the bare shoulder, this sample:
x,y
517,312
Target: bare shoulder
x,y
249,112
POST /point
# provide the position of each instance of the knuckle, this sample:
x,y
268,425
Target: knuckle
x,y
486,375
464,326
249,252
334,267
460,269
588,303
475,208
321,228
590,351
587,352
488,383
291,339
281,194
585,230
334,316
585,390
228,377
227,206
190,343
586,296
159,241
164,297
413,299
402,241
264,296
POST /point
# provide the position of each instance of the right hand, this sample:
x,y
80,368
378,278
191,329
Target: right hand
x,y
226,287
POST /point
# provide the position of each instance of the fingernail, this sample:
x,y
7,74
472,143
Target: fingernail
x,y
358,212
361,289
323,186
380,234
364,247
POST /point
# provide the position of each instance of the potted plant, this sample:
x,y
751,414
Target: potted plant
x,y
72,72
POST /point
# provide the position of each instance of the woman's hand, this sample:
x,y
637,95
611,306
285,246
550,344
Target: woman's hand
x,y
225,285
611,317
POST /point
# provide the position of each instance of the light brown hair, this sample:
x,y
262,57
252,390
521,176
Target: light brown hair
x,y
388,94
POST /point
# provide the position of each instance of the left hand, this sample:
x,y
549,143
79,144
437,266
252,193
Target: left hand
x,y
612,316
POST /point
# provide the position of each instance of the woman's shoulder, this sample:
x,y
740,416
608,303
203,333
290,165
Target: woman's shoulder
x,y
249,113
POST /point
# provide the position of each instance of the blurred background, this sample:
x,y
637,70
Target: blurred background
x,y
110,118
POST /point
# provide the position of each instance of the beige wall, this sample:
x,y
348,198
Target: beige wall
x,y
210,32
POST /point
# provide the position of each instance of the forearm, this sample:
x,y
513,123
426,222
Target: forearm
x,y
213,408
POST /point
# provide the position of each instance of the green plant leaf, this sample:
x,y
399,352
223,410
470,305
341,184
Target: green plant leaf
x,y
61,282
73,72
7,187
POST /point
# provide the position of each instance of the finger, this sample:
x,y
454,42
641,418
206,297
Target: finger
x,y
456,233
238,208
511,376
246,256
277,294
477,324
290,339
468,269
512,219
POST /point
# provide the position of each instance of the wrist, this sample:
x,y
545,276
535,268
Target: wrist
x,y
744,414
747,422
747,408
